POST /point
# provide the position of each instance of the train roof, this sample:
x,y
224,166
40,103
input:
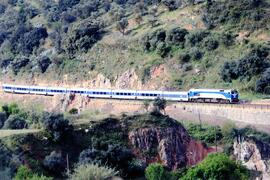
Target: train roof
x,y
212,90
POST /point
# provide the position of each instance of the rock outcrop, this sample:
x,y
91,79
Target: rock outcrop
x,y
254,154
171,146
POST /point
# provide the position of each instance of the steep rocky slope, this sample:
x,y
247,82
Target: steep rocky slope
x,y
168,44
254,154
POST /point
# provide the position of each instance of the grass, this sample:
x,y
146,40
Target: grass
x,y
6,133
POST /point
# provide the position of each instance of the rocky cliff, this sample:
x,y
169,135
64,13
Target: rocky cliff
x,y
171,145
254,154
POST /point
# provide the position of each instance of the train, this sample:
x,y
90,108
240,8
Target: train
x,y
192,95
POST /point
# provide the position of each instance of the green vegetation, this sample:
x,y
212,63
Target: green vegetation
x,y
24,173
205,133
85,149
51,40
155,172
217,167
93,172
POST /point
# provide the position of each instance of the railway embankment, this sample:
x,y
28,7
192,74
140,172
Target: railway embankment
x,y
241,114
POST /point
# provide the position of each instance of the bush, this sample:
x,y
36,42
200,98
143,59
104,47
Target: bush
x,y
227,39
263,82
195,54
83,36
171,4
245,68
151,40
54,162
156,172
73,111
162,49
5,156
206,134
15,122
19,63
176,36
184,58
44,62
31,39
3,118
228,71
210,43
196,37
122,25
56,125
160,104
93,171
114,155
219,167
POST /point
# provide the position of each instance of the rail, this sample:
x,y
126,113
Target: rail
x,y
242,105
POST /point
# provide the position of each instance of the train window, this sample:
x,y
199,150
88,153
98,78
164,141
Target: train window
x,y
221,90
129,94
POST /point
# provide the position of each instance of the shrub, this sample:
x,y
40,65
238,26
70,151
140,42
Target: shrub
x,y
83,36
195,54
251,65
263,82
206,134
3,118
54,162
151,40
162,49
184,58
228,71
56,125
171,4
73,111
156,172
19,63
217,166
23,173
122,25
176,36
5,156
31,39
93,171
15,122
196,37
227,39
44,62
187,67
210,43
160,104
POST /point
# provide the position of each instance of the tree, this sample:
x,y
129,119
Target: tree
x,y
138,19
146,104
263,83
160,104
217,167
122,25
3,118
56,125
153,16
156,172
54,162
15,122
23,173
44,62
93,172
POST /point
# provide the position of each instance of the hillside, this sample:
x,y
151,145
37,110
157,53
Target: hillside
x,y
164,44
